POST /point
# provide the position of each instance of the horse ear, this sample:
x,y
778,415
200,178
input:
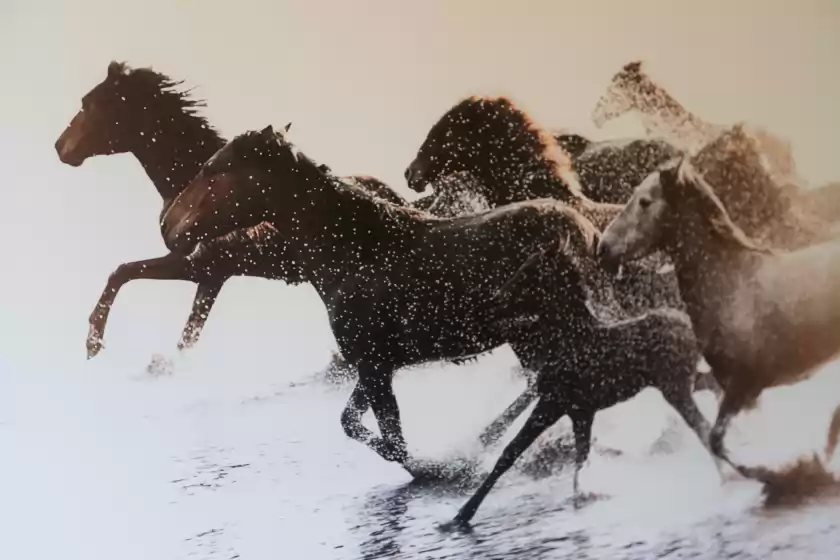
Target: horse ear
x,y
287,127
633,67
116,69
268,133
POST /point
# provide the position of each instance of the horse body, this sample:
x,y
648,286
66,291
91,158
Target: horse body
x,y
586,365
401,287
762,319
609,170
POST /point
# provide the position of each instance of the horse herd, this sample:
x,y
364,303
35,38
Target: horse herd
x,y
607,267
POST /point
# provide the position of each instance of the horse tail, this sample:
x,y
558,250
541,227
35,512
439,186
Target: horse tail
x,y
833,435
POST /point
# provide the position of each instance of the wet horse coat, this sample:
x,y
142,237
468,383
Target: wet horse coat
x,y
400,286
762,319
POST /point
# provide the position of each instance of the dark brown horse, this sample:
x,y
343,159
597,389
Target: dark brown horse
x,y
584,364
145,113
762,319
400,286
511,158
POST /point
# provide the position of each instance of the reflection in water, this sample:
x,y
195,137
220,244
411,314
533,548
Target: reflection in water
x,y
384,516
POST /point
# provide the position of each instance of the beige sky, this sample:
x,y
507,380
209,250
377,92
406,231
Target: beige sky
x,y
363,81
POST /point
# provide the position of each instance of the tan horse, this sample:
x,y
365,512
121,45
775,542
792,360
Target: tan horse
x,y
631,89
762,319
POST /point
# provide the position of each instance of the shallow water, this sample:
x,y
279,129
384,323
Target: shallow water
x,y
211,461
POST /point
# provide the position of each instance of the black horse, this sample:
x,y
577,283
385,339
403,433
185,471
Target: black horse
x,y
585,365
145,113
400,286
477,131
510,157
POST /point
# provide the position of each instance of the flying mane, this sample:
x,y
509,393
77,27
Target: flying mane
x,y
503,147
167,92
695,192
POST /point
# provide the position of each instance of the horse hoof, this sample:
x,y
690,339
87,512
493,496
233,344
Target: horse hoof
x,y
94,346
456,525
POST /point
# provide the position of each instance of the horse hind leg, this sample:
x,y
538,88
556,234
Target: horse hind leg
x,y
681,400
378,386
582,427
545,414
494,431
833,435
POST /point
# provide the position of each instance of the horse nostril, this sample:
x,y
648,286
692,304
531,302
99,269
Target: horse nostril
x,y
408,174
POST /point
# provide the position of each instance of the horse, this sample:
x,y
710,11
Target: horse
x,y
763,318
512,158
400,286
632,89
584,364
770,214
148,114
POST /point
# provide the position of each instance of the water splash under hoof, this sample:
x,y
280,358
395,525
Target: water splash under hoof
x,y
160,365
453,471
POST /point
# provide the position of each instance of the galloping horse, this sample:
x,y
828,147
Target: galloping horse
x,y
512,158
631,89
762,319
584,364
143,112
400,287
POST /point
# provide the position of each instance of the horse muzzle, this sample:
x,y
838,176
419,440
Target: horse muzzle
x,y
607,256
414,178
67,150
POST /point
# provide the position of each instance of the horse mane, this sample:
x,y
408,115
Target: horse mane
x,y
697,192
355,189
532,137
733,162
165,92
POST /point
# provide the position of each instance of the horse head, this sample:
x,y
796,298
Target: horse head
x,y
232,191
619,98
123,113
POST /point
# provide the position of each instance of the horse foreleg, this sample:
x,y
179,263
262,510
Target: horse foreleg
x,y
494,431
378,386
173,266
680,398
545,414
205,296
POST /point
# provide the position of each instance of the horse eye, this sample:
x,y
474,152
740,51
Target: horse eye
x,y
644,202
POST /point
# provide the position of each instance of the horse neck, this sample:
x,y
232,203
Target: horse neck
x,y
335,230
708,270
664,116
173,151
523,180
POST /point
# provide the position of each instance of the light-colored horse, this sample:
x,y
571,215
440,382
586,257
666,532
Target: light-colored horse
x,y
762,319
631,89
